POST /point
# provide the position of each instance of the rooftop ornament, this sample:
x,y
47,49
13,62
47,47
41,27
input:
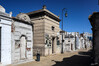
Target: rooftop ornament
x,y
44,6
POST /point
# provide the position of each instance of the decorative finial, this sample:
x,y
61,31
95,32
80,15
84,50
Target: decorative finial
x,y
10,14
44,6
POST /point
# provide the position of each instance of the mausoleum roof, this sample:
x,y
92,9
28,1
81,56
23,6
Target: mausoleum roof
x,y
41,12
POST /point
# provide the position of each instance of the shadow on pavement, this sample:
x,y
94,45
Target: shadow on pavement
x,y
85,53
83,59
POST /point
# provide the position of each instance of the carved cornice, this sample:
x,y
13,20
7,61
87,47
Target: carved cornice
x,y
5,17
43,12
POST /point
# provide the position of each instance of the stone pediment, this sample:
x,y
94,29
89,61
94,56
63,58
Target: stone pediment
x,y
24,17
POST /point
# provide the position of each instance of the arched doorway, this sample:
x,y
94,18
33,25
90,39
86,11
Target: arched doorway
x,y
53,41
23,43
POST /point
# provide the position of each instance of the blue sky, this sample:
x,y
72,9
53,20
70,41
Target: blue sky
x,y
78,11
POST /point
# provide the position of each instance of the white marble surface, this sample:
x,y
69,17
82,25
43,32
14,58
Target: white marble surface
x,y
5,42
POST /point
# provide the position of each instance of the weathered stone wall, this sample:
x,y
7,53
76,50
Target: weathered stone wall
x,y
38,34
42,27
49,23
21,29
38,31
69,44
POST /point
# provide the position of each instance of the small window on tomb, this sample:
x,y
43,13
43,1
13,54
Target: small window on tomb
x,y
53,28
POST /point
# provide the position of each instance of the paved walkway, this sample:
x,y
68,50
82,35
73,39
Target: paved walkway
x,y
78,58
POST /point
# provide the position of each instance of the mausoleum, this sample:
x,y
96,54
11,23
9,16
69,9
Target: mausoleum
x,y
5,36
46,31
22,39
16,38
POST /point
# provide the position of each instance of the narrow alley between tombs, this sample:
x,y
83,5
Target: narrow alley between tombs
x,y
77,58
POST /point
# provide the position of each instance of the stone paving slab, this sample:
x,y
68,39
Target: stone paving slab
x,y
49,60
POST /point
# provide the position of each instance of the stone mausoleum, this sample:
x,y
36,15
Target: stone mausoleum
x,y
5,37
46,32
69,43
22,39
16,38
